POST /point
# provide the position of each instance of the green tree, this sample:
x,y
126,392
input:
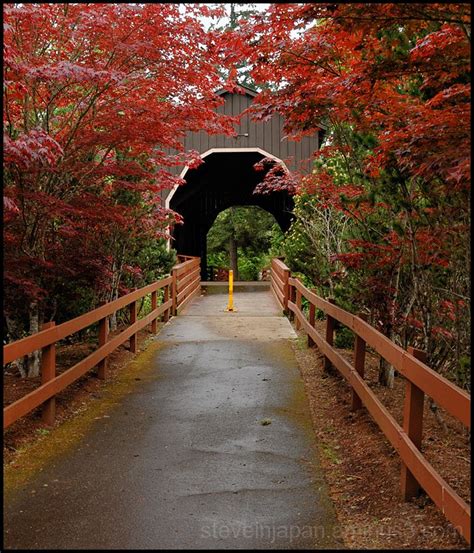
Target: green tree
x,y
235,14
241,238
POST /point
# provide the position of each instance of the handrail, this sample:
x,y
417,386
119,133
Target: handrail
x,y
27,403
185,274
279,277
186,278
44,338
420,379
446,394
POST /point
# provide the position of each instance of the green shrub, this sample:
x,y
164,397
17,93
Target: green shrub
x,y
344,338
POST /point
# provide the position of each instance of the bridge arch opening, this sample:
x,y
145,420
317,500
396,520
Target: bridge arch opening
x,y
242,238
226,178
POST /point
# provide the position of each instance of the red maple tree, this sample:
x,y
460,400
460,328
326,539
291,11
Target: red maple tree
x,y
96,96
395,79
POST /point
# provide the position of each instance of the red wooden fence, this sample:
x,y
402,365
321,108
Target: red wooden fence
x,y
186,282
178,290
420,380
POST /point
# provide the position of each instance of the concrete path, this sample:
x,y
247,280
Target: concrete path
x,y
214,449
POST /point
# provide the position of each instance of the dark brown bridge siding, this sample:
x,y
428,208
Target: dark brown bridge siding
x,y
265,135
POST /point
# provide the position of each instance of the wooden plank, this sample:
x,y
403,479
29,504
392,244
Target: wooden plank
x,y
328,307
291,302
311,320
183,282
277,275
103,337
278,294
166,299
359,365
181,268
278,282
279,264
154,303
174,293
276,270
448,396
413,426
191,269
330,324
190,297
275,293
188,290
286,289
298,307
48,372
133,319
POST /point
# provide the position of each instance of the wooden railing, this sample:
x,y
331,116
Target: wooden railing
x,y
279,275
178,289
420,380
182,258
186,282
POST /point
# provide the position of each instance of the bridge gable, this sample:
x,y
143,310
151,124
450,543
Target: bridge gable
x,y
267,136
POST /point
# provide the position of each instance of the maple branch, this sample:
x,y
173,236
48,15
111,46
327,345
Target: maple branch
x,y
312,62
450,292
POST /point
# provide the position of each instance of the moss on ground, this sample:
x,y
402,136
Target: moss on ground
x,y
57,441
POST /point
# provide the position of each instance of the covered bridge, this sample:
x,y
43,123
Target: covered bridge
x,y
227,177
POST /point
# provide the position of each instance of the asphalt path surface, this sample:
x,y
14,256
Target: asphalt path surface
x,y
213,449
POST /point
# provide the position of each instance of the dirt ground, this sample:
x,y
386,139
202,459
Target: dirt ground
x,y
363,469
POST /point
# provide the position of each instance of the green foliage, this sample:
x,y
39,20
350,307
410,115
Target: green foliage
x,y
154,260
249,266
218,259
358,250
147,261
344,338
256,234
252,228
235,13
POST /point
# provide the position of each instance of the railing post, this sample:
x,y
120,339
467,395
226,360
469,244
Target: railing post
x,y
413,426
359,364
286,291
133,319
154,303
298,305
48,372
166,297
311,319
292,299
330,324
103,337
174,291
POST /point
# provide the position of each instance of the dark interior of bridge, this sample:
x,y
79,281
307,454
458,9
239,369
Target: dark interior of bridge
x,y
225,179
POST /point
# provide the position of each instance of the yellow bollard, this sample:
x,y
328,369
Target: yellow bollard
x,y
230,306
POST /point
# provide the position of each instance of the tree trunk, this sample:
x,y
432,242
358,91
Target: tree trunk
x,y
14,334
35,357
386,374
113,316
114,292
233,256
386,371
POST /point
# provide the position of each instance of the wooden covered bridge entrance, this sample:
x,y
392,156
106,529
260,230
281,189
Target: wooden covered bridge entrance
x,y
227,177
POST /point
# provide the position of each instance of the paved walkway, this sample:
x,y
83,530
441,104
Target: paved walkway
x,y
184,461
